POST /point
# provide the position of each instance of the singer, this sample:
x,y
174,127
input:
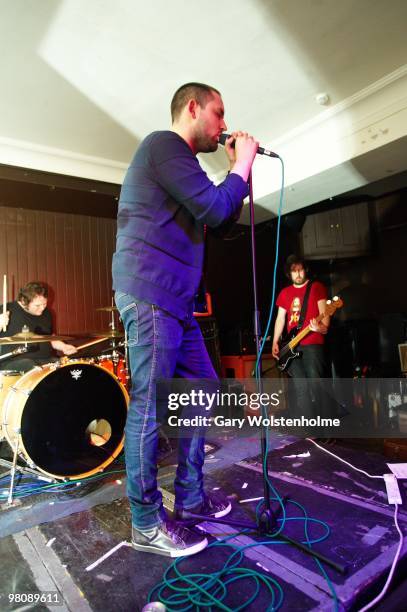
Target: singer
x,y
165,201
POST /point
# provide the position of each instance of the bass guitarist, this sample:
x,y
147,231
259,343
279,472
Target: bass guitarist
x,y
291,315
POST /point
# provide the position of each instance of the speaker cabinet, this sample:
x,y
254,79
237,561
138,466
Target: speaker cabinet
x,y
209,329
403,357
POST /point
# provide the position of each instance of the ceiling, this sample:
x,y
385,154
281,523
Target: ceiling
x,y
84,82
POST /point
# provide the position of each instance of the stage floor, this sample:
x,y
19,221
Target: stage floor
x,y
55,542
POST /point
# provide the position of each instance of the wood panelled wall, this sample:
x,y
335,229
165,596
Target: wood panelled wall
x,y
71,253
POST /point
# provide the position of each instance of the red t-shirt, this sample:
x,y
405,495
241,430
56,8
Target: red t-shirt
x,y
291,299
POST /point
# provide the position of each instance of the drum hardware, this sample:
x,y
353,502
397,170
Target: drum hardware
x,y
110,348
116,357
115,362
13,471
127,359
107,309
53,365
113,332
4,300
14,468
31,471
17,351
112,309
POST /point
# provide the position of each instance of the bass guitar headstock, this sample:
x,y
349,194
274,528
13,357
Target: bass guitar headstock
x,y
333,305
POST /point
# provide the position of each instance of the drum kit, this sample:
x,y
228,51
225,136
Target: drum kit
x,y
65,419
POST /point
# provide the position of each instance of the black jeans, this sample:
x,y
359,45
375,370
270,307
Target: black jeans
x,y
311,365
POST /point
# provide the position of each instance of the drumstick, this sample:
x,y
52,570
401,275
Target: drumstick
x,y
4,300
90,343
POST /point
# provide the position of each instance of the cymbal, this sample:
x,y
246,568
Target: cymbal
x,y
109,333
30,338
107,309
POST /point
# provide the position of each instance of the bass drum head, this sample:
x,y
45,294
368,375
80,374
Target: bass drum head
x,y
73,420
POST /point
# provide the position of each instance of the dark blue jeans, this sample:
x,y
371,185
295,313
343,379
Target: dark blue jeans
x,y
160,346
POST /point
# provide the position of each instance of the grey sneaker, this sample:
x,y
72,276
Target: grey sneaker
x,y
214,504
169,539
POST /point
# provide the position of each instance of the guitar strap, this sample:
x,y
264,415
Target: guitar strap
x,y
304,306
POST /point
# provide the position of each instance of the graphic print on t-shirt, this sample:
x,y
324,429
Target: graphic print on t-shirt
x,y
295,311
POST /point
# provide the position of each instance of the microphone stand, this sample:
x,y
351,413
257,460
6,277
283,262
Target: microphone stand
x,y
267,520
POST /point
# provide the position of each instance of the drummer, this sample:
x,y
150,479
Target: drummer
x,y
30,314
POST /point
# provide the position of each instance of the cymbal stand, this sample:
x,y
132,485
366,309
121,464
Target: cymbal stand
x,y
126,356
115,353
13,471
127,359
115,357
112,323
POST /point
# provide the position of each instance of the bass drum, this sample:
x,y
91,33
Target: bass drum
x,y
68,418
8,378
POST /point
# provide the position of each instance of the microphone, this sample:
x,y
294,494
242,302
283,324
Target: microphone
x,y
260,150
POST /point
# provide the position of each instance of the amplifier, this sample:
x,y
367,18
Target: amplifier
x,y
209,329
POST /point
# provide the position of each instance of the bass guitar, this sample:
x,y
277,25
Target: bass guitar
x,y
287,351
